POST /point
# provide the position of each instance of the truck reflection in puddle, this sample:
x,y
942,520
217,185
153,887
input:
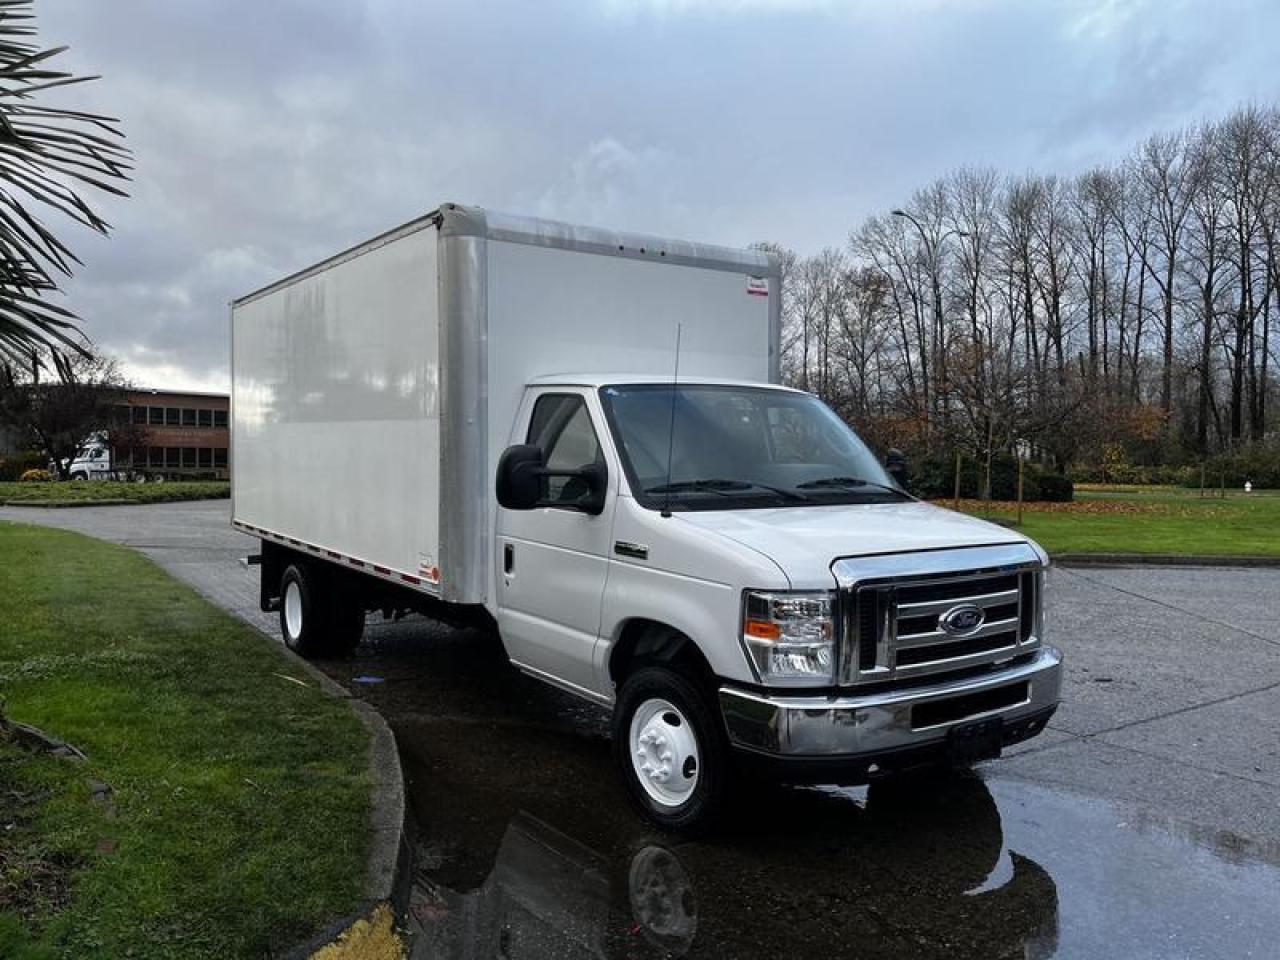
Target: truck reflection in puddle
x,y
906,872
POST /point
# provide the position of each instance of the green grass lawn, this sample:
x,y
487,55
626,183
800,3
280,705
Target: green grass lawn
x,y
236,821
1164,520
115,490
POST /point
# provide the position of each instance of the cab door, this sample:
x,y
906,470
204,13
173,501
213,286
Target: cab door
x,y
553,560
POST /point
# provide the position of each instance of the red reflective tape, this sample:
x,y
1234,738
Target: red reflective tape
x,y
296,543
382,570
313,548
408,579
354,562
334,554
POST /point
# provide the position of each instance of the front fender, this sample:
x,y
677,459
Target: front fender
x,y
705,611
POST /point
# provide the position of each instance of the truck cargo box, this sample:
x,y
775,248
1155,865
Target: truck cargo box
x,y
373,392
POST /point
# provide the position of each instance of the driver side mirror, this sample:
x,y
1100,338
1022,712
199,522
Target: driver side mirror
x,y
521,471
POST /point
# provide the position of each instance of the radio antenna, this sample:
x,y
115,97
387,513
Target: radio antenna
x,y
671,427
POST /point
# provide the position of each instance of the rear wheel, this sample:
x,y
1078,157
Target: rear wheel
x,y
670,748
316,619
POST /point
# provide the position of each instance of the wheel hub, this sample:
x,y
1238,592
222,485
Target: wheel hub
x,y
293,610
664,752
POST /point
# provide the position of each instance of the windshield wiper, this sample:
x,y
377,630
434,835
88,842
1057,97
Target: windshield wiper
x,y
724,487
846,482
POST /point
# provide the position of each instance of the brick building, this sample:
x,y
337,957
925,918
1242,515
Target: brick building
x,y
174,434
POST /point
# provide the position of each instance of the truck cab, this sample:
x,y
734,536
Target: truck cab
x,y
93,462
730,568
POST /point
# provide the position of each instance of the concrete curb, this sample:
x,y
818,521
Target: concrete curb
x,y
1158,560
388,847
72,504
67,504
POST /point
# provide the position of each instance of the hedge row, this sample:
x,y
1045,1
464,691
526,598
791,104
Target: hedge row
x,y
1260,466
935,478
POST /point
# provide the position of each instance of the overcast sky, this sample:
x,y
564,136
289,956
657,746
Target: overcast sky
x,y
270,133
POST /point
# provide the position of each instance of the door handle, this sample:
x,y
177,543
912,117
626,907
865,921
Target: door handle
x,y
637,551
508,558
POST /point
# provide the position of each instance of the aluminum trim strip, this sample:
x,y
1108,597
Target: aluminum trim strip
x,y
985,600
949,664
565,685
421,584
931,638
465,483
395,233
468,221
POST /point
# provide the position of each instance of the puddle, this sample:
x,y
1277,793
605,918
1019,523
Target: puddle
x,y
526,846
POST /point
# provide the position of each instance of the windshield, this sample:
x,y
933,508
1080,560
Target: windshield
x,y
739,446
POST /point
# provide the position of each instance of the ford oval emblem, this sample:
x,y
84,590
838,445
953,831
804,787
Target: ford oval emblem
x,y
962,620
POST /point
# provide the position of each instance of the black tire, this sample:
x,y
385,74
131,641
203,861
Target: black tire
x,y
79,475
301,612
713,765
317,617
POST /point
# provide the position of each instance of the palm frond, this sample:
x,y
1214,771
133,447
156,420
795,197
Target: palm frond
x,y
47,156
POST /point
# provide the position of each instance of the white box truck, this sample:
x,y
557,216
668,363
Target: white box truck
x,y
486,418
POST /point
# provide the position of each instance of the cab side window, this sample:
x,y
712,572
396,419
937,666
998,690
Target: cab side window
x,y
561,426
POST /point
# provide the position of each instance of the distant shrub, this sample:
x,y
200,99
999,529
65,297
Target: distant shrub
x,y
35,475
15,465
935,479
1135,474
1259,465
1055,487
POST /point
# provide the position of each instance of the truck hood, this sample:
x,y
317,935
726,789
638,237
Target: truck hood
x,y
804,541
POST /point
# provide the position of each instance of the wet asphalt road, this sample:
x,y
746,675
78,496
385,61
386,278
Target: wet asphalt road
x,y
1144,823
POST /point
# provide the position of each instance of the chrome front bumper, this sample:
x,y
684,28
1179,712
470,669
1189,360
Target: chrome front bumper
x,y
878,723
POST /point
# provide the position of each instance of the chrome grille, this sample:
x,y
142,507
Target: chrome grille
x,y
894,629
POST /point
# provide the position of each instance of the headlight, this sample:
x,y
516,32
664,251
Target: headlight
x,y
790,637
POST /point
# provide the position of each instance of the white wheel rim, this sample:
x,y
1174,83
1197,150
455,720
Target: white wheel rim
x,y
293,610
664,752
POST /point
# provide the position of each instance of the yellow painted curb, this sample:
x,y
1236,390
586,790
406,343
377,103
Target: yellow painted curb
x,y
371,938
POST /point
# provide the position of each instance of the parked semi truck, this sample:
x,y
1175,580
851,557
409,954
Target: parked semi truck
x,y
578,437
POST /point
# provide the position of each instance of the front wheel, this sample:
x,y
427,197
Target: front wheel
x,y
670,748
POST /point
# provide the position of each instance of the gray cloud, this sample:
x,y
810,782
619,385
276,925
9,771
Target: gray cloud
x,y
270,134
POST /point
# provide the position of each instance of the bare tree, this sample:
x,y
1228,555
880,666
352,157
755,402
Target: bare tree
x,y
1131,305
1168,171
58,415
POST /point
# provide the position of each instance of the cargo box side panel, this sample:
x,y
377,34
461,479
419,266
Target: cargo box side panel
x,y
336,435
